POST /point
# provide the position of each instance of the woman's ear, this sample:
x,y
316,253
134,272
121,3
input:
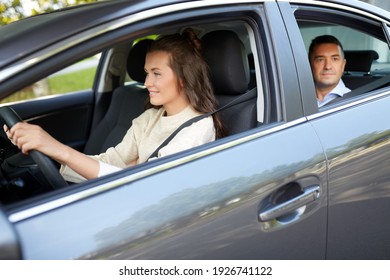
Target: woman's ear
x,y
181,83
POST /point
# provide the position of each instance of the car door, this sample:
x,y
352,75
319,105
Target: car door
x,y
259,194
355,133
67,117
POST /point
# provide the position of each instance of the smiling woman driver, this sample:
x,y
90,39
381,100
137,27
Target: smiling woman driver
x,y
179,89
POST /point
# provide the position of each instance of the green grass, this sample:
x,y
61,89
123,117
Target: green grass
x,y
74,81
78,80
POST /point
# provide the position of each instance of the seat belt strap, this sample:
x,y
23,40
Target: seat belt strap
x,y
244,97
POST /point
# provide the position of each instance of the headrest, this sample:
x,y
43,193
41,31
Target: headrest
x,y
360,61
228,63
136,60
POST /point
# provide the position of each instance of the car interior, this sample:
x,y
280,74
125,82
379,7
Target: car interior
x,y
127,103
226,56
227,50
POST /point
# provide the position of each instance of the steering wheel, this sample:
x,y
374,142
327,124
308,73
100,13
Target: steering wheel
x,y
49,170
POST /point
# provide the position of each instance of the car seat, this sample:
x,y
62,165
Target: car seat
x,y
230,75
358,67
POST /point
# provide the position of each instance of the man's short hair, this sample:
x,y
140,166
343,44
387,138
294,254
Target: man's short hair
x,y
324,39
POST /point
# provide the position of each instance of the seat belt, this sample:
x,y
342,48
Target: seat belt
x,y
244,97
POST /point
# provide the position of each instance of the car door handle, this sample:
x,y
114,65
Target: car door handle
x,y
309,194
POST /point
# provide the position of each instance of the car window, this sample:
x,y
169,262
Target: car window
x,y
79,76
364,42
352,40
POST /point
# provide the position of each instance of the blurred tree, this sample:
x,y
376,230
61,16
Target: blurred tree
x,y
12,10
9,9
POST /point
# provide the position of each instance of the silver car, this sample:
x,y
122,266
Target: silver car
x,y
290,181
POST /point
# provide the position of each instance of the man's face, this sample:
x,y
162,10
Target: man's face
x,y
327,64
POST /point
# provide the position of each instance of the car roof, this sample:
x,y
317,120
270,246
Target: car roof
x,y
364,6
42,30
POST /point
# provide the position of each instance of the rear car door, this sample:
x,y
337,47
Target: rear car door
x,y
259,194
355,134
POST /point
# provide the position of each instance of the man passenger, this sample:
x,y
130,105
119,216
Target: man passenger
x,y
327,62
